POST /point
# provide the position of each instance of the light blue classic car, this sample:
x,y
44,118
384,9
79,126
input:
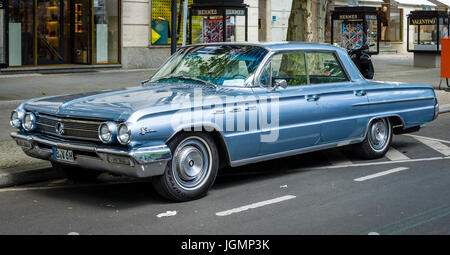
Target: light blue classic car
x,y
217,105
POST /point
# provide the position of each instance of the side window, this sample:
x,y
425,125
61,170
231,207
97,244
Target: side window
x,y
288,66
323,67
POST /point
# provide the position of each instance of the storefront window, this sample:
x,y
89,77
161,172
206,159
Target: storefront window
x,y
355,27
106,16
161,21
21,32
395,24
372,32
210,29
443,28
425,30
208,26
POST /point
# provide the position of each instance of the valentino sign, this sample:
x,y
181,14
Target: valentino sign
x,y
423,21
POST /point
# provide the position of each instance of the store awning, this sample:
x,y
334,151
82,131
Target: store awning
x,y
446,2
415,2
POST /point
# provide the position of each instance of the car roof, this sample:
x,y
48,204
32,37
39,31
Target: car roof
x,y
279,46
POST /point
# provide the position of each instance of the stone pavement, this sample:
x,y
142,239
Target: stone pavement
x,y
17,168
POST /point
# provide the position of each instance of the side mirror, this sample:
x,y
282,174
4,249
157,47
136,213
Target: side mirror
x,y
279,83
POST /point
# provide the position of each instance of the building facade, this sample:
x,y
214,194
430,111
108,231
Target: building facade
x,y
126,33
136,33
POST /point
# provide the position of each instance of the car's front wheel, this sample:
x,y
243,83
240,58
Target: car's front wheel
x,y
378,140
192,170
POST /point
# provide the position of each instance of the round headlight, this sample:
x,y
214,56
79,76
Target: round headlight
x,y
14,119
104,133
123,134
29,122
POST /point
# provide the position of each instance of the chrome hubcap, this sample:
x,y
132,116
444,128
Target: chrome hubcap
x,y
191,163
379,134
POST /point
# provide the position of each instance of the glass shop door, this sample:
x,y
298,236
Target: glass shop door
x,y
81,31
63,32
50,31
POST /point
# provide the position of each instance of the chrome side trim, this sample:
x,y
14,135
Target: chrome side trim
x,y
394,101
294,152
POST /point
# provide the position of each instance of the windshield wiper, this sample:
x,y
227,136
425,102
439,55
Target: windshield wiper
x,y
187,78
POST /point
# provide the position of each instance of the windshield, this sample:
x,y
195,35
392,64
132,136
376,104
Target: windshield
x,y
221,65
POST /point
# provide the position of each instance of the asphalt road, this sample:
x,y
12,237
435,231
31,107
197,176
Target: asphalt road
x,y
329,192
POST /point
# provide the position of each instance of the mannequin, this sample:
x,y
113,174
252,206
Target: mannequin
x,y
384,22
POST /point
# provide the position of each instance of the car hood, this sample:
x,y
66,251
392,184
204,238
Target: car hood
x,y
120,104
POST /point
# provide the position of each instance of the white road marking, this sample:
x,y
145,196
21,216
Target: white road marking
x,y
167,214
73,234
336,158
395,155
428,138
435,145
255,205
381,163
373,234
368,177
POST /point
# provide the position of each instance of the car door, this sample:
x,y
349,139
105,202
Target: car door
x,y
293,113
344,102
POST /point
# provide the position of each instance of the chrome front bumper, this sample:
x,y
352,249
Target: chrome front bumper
x,y
140,162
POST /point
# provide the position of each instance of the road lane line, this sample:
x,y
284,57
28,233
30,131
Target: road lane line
x,y
435,145
255,205
368,177
428,138
394,155
336,157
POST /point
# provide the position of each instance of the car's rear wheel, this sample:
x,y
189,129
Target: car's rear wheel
x,y
192,170
378,140
75,173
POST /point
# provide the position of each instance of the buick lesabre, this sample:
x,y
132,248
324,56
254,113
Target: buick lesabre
x,y
216,105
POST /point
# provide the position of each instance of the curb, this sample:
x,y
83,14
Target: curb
x,y
444,108
27,174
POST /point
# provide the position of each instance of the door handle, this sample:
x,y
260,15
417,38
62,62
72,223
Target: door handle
x,y
360,93
236,109
313,98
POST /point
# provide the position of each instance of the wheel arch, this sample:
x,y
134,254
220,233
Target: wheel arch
x,y
396,121
224,156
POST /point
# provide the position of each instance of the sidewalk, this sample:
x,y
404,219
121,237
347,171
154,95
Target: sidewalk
x,y
17,168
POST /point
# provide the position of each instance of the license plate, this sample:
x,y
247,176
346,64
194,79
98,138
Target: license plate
x,y
62,154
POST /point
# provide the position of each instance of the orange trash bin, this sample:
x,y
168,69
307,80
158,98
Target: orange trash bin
x,y
445,57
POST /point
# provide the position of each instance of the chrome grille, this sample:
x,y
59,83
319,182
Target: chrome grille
x,y
73,128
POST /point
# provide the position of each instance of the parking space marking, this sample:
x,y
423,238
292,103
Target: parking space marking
x,y
435,145
368,177
337,158
394,155
380,163
255,205
428,138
